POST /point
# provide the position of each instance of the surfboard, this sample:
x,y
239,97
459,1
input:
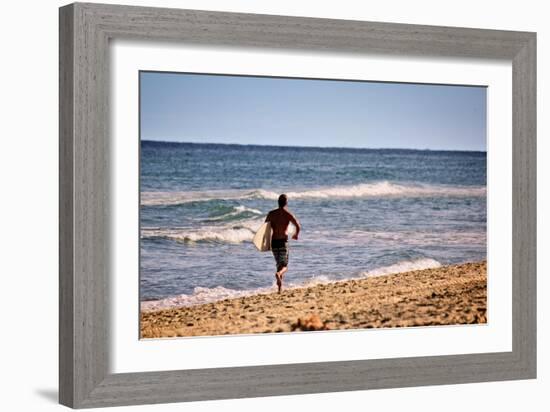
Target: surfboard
x,y
262,238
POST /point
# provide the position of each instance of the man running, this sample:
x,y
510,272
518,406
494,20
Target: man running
x,y
279,219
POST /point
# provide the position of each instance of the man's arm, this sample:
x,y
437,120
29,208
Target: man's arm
x,y
297,224
268,217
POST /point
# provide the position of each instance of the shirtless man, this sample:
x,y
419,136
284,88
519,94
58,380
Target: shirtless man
x,y
279,219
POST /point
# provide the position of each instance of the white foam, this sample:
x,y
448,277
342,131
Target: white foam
x,y
200,296
238,233
203,295
388,189
378,189
237,210
404,266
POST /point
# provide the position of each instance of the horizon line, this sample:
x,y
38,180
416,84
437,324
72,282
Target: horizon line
x,y
313,147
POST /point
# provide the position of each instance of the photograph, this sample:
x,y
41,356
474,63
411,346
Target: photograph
x,y
282,205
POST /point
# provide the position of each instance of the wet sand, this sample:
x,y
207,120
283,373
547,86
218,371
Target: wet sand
x,y
446,295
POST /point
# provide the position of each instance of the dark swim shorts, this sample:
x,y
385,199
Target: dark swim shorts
x,y
279,247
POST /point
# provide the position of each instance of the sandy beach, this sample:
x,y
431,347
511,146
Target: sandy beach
x,y
446,295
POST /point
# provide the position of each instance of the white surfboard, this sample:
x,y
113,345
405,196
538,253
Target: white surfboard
x,y
262,238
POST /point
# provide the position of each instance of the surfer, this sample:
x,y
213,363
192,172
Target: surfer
x,y
279,219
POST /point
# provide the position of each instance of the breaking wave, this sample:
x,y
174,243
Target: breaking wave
x,y
378,189
238,233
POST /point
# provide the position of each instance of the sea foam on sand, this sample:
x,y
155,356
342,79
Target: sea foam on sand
x,y
202,295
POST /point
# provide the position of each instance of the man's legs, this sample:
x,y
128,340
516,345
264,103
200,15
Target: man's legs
x,y
280,252
279,276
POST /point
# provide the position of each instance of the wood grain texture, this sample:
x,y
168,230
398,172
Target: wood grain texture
x,y
524,205
66,228
84,159
85,31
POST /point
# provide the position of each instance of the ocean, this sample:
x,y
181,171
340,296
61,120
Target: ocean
x,y
364,212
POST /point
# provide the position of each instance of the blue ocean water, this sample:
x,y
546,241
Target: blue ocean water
x,y
363,212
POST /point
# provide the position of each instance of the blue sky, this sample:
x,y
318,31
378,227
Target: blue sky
x,y
300,112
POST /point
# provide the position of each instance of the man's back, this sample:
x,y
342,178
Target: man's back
x,y
279,219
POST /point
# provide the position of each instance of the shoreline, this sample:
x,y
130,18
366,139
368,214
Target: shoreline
x,y
447,295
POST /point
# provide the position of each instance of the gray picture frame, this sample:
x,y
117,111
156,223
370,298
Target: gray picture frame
x,y
85,32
